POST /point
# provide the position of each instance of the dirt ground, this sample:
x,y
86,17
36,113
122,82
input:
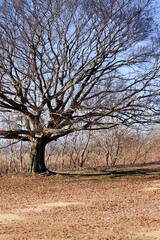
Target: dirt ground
x,y
104,207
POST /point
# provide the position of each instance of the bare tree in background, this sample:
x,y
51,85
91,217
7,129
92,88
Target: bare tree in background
x,y
68,66
76,148
125,145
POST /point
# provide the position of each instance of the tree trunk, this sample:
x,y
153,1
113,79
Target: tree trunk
x,y
37,157
107,159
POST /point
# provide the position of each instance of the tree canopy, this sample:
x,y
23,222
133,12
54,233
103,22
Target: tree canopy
x,y
69,65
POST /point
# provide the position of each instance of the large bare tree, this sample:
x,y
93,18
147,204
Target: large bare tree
x,y
69,65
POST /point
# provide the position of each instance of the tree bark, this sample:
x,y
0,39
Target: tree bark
x,y
37,157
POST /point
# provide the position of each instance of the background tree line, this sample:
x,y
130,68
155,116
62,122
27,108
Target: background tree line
x,y
120,146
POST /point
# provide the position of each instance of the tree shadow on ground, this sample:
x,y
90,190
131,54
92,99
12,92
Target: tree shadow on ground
x,y
133,172
147,170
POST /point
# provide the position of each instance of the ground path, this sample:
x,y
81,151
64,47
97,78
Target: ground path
x,y
79,208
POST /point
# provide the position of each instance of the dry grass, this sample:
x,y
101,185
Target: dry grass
x,y
77,208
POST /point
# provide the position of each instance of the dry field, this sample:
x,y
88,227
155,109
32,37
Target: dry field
x,y
105,207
